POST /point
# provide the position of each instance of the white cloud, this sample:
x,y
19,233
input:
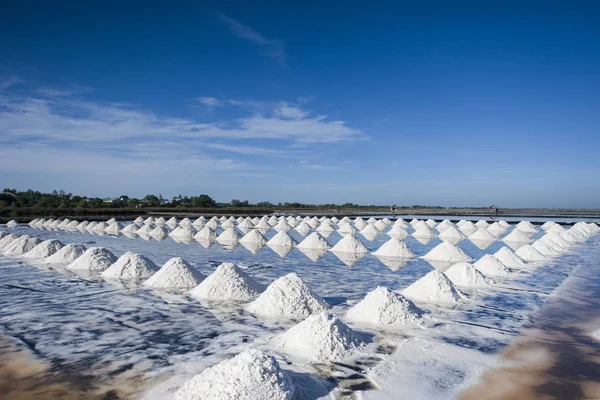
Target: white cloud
x,y
210,101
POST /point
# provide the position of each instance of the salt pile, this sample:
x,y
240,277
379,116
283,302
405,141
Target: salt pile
x,y
320,337
172,222
111,221
206,234
445,224
303,228
251,375
510,259
282,239
283,226
212,224
526,227
130,266
175,274
114,228
347,229
186,222
139,220
21,246
482,224
447,252
482,234
465,275
64,223
67,254
93,260
570,236
161,232
130,229
547,225
83,225
545,249
160,221
350,244
227,283
90,227
435,287
380,225
184,233
394,248
325,228
229,236
424,232
287,297
529,254
468,227
451,234
100,227
145,229
555,239
314,241
370,229
359,223
491,266
246,224
199,222
397,232
228,224
73,224
3,234
254,237
414,221
263,226
517,236
401,223
44,249
7,240
496,229
384,307
431,223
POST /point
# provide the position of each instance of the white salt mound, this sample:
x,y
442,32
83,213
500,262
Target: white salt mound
x,y
394,248
530,254
251,375
424,232
229,236
131,266
482,234
482,224
397,232
350,244
12,223
21,246
320,337
185,233
94,259
451,233
44,249
175,274
526,227
227,283
129,229
347,229
517,236
254,237
160,232
282,239
7,240
435,287
447,252
287,297
491,266
465,275
510,259
384,307
67,254
314,241
207,234
114,228
545,249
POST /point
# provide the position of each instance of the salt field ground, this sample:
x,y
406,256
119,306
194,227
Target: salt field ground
x,y
123,338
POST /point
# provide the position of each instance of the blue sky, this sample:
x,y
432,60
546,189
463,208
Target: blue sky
x,y
437,103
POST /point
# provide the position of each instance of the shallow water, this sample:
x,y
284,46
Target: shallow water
x,y
103,338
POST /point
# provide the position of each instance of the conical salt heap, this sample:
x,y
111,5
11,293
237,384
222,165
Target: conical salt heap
x,y
359,223
556,240
496,229
283,226
397,232
482,224
468,227
491,266
175,274
402,223
110,221
251,375
447,252
186,222
303,228
370,229
380,225
431,223
254,237
227,283
282,239
67,221
510,259
139,220
482,234
350,244
114,228
21,246
185,233
160,221
130,229
130,266
325,228
100,227
346,229
384,308
161,232
526,227
394,248
466,275
229,236
206,234
451,234
67,254
287,297
172,222
445,224
93,260
517,236
44,249
314,241
545,249
424,232
436,288
7,240
212,224
530,254
199,222
319,338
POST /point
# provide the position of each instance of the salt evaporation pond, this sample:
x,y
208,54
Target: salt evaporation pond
x,y
147,344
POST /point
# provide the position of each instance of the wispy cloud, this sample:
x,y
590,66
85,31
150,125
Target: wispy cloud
x,y
249,150
272,48
210,102
8,82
